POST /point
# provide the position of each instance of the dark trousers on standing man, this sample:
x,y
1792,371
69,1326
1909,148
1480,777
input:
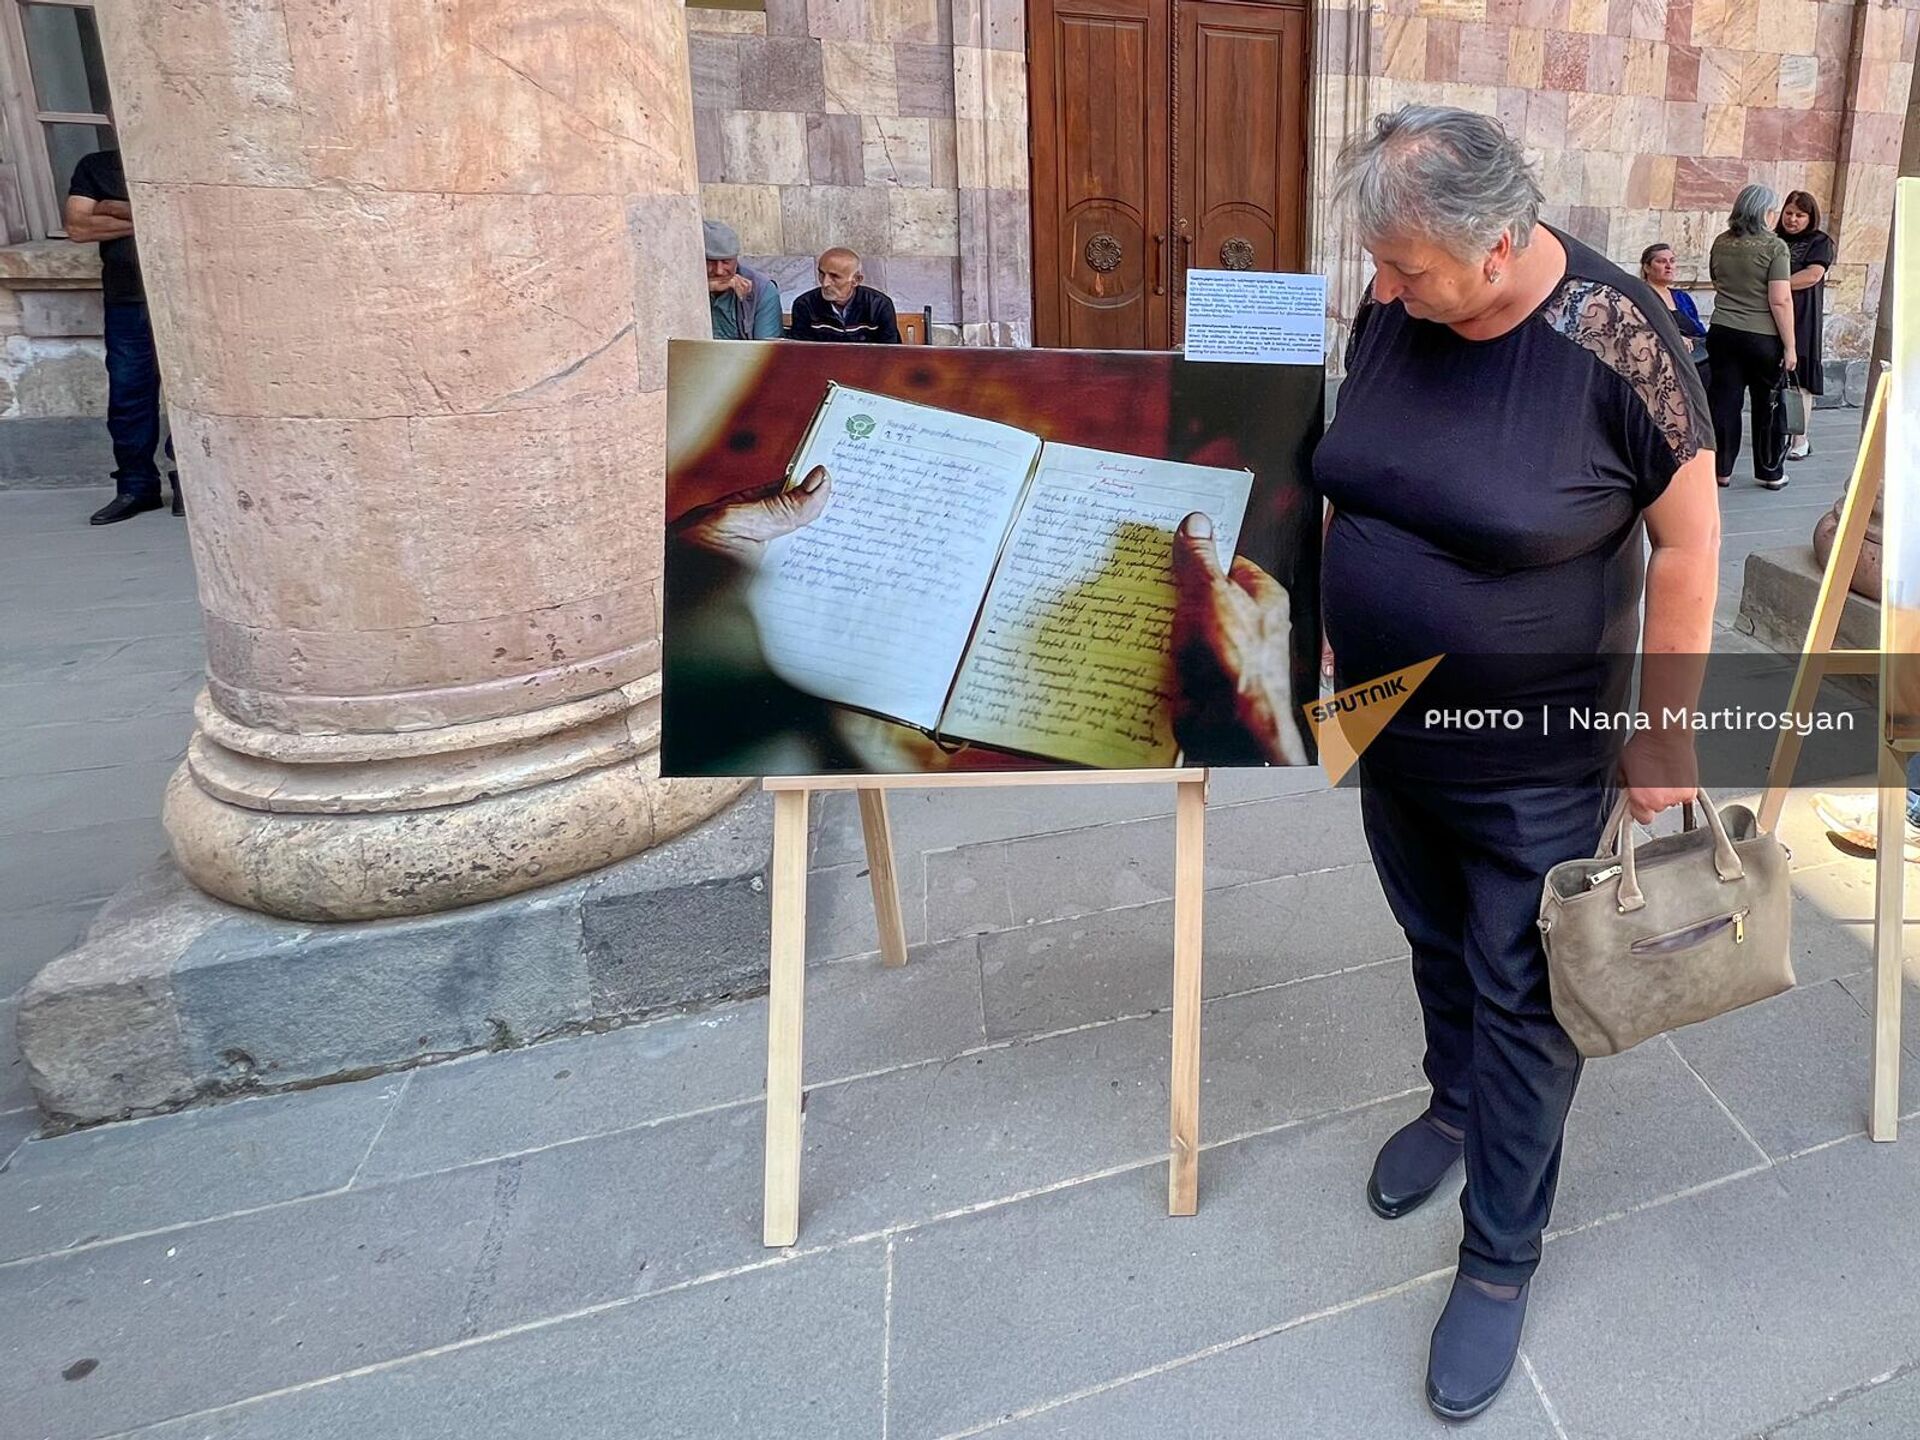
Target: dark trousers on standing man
x,y
133,400
1745,368
1462,868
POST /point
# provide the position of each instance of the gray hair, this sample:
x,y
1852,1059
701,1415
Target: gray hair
x,y
1453,176
1750,207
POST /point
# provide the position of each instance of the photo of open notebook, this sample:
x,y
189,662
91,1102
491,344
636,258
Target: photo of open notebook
x,y
985,586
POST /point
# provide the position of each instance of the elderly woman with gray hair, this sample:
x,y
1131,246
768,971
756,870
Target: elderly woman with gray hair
x,y
1751,341
1517,414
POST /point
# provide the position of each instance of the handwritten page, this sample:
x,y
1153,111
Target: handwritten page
x,y
871,604
1256,316
1072,659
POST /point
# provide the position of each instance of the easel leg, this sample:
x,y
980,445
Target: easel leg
x,y
1818,658
1889,947
786,999
1189,874
878,833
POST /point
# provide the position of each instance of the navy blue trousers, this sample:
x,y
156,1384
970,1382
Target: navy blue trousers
x,y
133,400
1462,869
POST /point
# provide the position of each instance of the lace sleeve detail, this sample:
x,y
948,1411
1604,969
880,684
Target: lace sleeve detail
x,y
1608,324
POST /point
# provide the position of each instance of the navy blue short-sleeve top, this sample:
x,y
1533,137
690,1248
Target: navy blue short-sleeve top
x,y
1487,499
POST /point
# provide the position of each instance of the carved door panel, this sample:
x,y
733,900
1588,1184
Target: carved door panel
x,y
1099,73
1151,157
1240,143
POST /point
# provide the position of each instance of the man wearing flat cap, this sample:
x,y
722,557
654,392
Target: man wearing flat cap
x,y
745,303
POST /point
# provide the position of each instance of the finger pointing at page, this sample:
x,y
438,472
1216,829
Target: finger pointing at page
x,y
740,529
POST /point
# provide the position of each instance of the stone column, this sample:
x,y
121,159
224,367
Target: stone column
x,y
412,265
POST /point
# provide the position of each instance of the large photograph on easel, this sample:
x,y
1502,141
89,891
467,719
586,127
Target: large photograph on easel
x,y
904,560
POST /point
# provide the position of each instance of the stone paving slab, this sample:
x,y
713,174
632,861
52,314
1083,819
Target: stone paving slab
x,y
15,1093
1860,985
139,579
1793,1069
55,662
813,1329
1058,973
928,820
1841,889
1888,1410
207,1316
1827,949
861,1018
88,862
15,1127
121,697
59,749
998,1312
30,803
1719,1314
63,536
105,622
30,938
1643,1126
1355,1375
840,920
176,1169
1059,875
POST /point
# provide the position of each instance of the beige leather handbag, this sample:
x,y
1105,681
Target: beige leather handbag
x,y
1644,939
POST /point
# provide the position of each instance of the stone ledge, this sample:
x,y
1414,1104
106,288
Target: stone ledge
x,y
174,996
1845,384
1777,596
49,265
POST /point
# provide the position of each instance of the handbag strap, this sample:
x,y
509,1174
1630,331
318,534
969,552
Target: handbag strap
x,y
1726,860
1609,847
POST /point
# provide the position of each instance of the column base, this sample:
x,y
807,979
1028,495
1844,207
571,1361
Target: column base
x,y
314,866
175,997
366,826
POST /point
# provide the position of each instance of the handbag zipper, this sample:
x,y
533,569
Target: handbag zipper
x,y
1694,934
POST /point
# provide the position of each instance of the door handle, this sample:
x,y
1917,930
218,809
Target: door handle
x,y
1186,260
1159,264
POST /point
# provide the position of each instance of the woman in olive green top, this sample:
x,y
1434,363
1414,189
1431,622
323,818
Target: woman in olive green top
x,y
1751,342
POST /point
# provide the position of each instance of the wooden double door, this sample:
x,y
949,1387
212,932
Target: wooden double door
x,y
1167,135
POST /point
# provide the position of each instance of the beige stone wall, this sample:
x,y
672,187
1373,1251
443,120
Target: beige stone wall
x,y
831,122
1647,116
52,357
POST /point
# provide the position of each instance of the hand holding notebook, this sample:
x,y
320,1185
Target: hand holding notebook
x,y
973,581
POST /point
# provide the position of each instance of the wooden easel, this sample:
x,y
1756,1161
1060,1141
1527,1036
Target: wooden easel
x,y
1818,660
786,1000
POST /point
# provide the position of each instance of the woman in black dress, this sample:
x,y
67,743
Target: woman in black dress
x,y
1520,421
1810,254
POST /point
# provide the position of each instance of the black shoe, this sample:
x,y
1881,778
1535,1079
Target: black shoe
x,y
1776,484
1473,1349
123,507
1410,1167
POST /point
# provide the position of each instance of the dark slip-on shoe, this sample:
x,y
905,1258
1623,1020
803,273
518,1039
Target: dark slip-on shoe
x,y
1474,1346
1410,1167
